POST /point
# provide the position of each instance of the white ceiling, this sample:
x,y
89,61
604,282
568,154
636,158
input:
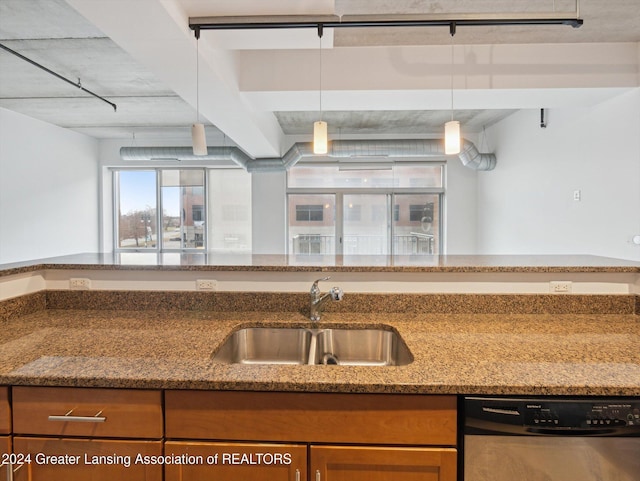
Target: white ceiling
x,y
261,88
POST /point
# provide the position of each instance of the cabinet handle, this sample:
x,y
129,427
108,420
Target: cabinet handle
x,y
297,475
96,418
317,475
11,471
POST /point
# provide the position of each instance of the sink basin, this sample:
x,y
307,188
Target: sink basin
x,y
263,345
349,347
361,347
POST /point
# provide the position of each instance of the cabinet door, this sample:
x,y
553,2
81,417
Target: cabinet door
x,y
5,448
352,463
54,459
5,411
237,461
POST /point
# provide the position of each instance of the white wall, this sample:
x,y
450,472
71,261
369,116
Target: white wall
x,y
526,205
460,207
268,193
48,190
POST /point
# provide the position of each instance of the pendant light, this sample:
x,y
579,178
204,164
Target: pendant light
x,y
198,138
452,128
320,138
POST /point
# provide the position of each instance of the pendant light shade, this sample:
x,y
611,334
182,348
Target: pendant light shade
x,y
198,139
452,137
320,137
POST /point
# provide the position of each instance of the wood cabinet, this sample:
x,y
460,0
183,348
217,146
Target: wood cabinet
x,y
106,434
5,448
85,433
94,412
235,461
87,459
311,417
5,429
389,437
368,463
5,411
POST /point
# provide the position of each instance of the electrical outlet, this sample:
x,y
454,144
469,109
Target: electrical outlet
x,y
79,283
206,284
560,286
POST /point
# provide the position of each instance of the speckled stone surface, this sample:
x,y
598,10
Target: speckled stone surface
x,y
541,354
354,302
282,263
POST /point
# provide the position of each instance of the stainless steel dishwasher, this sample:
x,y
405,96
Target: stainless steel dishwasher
x,y
521,439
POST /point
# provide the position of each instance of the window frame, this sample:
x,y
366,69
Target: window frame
x,y
389,191
159,248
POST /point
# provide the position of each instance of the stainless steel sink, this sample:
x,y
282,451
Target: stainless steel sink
x,y
352,347
361,347
264,345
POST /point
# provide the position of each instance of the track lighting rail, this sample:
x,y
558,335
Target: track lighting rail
x,y
77,84
335,21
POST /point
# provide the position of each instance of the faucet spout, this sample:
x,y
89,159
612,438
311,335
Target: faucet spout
x,y
317,300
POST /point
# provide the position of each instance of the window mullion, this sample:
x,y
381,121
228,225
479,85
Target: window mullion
x,y
339,223
159,231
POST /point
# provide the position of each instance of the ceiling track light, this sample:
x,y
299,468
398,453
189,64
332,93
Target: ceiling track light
x,y
77,84
452,128
256,22
198,137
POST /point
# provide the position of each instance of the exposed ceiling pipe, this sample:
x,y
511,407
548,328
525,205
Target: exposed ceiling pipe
x,y
341,149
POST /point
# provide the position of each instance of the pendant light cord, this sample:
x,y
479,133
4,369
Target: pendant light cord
x,y
320,31
197,80
452,30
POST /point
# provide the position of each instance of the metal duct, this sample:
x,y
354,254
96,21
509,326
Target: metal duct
x,y
469,155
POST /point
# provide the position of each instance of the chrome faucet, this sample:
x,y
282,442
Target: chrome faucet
x,y
317,300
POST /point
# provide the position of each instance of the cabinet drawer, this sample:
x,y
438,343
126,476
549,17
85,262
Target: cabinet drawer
x,y
87,412
311,417
5,411
87,459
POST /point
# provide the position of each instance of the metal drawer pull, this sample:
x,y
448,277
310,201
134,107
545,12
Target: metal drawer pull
x,y
11,471
79,419
317,475
297,475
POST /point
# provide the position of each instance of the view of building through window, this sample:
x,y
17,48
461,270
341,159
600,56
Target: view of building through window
x,y
390,211
168,209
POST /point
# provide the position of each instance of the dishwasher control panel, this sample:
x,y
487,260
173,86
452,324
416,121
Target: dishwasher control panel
x,y
553,415
582,415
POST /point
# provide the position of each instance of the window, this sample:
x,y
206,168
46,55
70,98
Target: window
x,y
182,209
390,210
312,228
182,200
136,211
197,212
420,212
309,213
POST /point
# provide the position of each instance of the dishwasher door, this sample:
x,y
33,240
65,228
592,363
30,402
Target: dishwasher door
x,y
528,458
551,440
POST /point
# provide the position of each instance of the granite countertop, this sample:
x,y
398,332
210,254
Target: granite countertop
x,y
537,354
311,263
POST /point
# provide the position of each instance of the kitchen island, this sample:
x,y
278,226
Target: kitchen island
x,y
127,330
129,347
463,353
